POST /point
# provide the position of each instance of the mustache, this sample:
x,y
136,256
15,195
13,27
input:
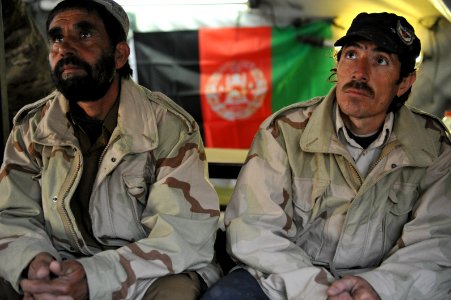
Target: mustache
x,y
71,60
359,85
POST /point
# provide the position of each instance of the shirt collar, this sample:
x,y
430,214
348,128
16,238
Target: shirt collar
x,y
344,137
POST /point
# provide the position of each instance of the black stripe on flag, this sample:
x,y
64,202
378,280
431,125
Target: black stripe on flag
x,y
169,62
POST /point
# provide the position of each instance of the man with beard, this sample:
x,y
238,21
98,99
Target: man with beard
x,y
104,191
347,196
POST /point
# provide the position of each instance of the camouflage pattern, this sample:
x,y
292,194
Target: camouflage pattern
x,y
302,216
152,204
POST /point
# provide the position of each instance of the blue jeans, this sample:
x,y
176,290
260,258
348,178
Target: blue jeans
x,y
238,284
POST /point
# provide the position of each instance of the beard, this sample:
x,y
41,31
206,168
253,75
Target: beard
x,y
90,87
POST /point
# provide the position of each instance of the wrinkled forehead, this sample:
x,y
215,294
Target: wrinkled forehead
x,y
74,15
76,19
366,44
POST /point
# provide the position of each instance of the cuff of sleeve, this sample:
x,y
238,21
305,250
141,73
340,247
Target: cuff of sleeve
x,y
210,274
12,268
380,283
104,274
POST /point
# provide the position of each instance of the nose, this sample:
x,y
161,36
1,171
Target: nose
x,y
360,72
66,47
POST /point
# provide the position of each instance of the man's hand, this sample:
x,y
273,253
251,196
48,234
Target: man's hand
x,y
70,283
39,266
351,288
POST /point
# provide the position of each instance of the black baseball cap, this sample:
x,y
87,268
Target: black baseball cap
x,y
389,31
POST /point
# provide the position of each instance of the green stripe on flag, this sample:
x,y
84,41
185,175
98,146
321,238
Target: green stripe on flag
x,y
300,71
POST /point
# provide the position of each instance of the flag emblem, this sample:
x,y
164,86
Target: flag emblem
x,y
236,90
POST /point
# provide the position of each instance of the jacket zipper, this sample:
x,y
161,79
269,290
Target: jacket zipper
x,y
105,150
102,156
387,149
356,175
67,223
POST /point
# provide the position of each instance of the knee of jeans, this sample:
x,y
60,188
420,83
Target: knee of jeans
x,y
238,284
221,292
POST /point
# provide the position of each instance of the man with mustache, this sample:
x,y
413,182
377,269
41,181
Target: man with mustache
x,y
104,190
347,196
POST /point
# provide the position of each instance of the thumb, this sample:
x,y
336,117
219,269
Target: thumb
x,y
342,285
56,268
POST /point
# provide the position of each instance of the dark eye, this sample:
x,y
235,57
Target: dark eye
x,y
85,34
350,54
56,39
382,61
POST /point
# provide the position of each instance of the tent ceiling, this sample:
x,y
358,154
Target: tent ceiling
x,y
343,11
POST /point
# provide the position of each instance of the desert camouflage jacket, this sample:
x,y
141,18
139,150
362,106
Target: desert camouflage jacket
x,y
302,216
151,204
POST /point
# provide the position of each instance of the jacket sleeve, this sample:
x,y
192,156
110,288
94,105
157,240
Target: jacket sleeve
x,y
419,267
22,226
260,227
181,217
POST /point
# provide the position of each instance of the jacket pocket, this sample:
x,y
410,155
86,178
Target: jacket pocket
x,y
308,216
306,192
137,191
401,199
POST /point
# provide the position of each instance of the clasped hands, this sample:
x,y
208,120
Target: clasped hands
x,y
49,279
351,288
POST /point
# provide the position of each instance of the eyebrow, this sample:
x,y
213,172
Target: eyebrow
x,y
53,31
376,49
82,25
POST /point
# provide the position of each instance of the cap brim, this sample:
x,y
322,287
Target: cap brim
x,y
380,39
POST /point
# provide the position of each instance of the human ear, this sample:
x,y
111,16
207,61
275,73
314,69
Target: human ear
x,y
406,83
121,54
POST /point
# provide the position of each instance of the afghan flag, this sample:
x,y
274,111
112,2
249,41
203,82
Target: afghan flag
x,y
231,79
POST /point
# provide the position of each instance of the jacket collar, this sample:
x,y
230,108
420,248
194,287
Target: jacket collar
x,y
319,131
136,125
320,136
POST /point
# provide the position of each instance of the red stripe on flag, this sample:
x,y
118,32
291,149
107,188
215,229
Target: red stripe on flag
x,y
235,84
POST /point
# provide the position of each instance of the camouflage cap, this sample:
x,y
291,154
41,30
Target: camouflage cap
x,y
117,11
